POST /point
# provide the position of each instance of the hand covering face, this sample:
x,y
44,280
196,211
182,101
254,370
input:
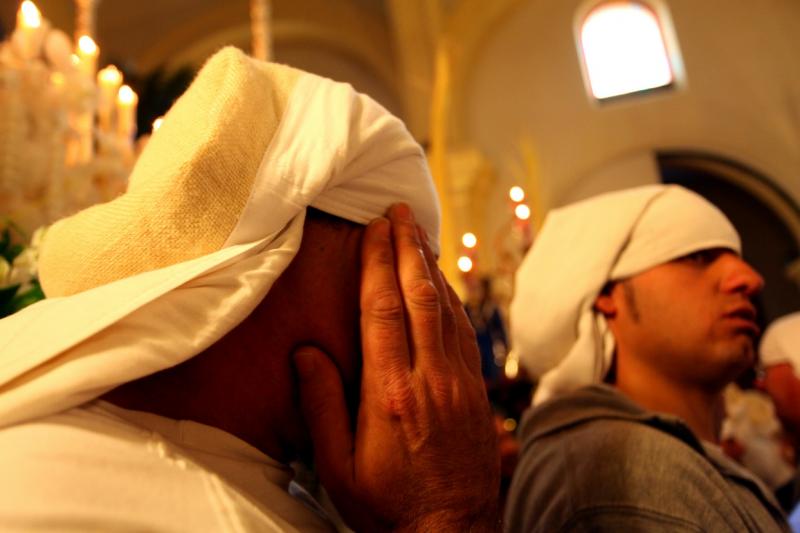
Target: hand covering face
x,y
213,215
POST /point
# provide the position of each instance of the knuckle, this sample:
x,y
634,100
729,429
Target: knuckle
x,y
423,294
400,399
385,306
443,388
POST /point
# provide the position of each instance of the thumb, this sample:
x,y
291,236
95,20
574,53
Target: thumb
x,y
324,410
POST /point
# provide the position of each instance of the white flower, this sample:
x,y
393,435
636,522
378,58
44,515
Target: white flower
x,y
38,236
23,269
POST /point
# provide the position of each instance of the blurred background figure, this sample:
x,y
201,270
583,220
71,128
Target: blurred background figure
x,y
761,429
780,358
484,313
753,435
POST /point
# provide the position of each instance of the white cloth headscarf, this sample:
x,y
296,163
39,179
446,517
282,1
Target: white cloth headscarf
x,y
781,342
332,148
555,331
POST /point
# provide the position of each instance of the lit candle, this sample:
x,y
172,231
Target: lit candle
x,y
157,123
469,240
108,80
87,54
126,114
29,30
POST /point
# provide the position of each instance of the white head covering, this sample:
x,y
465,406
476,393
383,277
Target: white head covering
x,y
213,215
555,331
781,342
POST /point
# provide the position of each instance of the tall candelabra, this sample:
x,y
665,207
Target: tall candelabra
x,y
66,132
260,26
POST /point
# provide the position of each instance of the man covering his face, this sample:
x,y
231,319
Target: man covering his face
x,y
155,390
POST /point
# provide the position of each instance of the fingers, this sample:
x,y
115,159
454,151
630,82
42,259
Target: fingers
x,y
323,405
422,304
450,335
469,352
383,331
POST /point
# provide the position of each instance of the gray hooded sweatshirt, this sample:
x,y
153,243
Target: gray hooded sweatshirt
x,y
593,460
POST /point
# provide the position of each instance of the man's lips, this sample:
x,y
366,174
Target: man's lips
x,y
744,317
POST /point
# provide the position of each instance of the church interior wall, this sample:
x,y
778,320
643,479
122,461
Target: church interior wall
x,y
740,99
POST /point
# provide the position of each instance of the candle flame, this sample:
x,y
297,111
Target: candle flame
x,y
126,96
516,193
523,212
110,76
75,59
469,240
157,123
87,45
29,15
464,264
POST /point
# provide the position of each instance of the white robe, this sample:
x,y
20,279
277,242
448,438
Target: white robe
x,y
98,467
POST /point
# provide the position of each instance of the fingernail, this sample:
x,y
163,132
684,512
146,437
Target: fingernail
x,y
403,212
304,362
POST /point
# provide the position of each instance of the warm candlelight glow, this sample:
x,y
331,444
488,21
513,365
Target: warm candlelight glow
x,y
516,194
126,96
110,76
157,123
511,367
87,46
58,79
87,53
464,263
126,115
469,240
108,81
29,15
523,212
75,60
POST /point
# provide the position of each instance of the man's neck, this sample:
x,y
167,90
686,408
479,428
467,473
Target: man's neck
x,y
213,388
700,409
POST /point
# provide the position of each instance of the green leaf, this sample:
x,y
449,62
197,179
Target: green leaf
x,y
13,251
7,294
31,296
5,240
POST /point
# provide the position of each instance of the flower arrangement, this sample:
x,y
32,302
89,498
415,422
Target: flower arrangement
x,y
19,283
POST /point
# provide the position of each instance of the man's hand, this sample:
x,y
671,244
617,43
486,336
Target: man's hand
x,y
423,456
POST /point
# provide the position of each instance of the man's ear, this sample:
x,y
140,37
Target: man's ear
x,y
605,304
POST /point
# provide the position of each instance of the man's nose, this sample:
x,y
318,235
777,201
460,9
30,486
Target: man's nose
x,y
741,277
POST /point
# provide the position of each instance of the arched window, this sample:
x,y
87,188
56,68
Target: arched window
x,y
624,49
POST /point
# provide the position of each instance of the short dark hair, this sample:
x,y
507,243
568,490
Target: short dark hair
x,y
332,221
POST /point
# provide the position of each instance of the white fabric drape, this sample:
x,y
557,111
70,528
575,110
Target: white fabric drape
x,y
555,331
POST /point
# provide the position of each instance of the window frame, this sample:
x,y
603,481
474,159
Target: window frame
x,y
661,12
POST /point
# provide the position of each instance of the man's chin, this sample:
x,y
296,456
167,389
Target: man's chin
x,y
742,357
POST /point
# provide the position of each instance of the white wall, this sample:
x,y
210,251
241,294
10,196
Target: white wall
x,y
741,101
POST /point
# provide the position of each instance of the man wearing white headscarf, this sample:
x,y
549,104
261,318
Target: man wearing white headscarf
x,y
154,389
780,358
633,309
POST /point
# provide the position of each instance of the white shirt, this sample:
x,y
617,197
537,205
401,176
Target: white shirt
x,y
101,468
